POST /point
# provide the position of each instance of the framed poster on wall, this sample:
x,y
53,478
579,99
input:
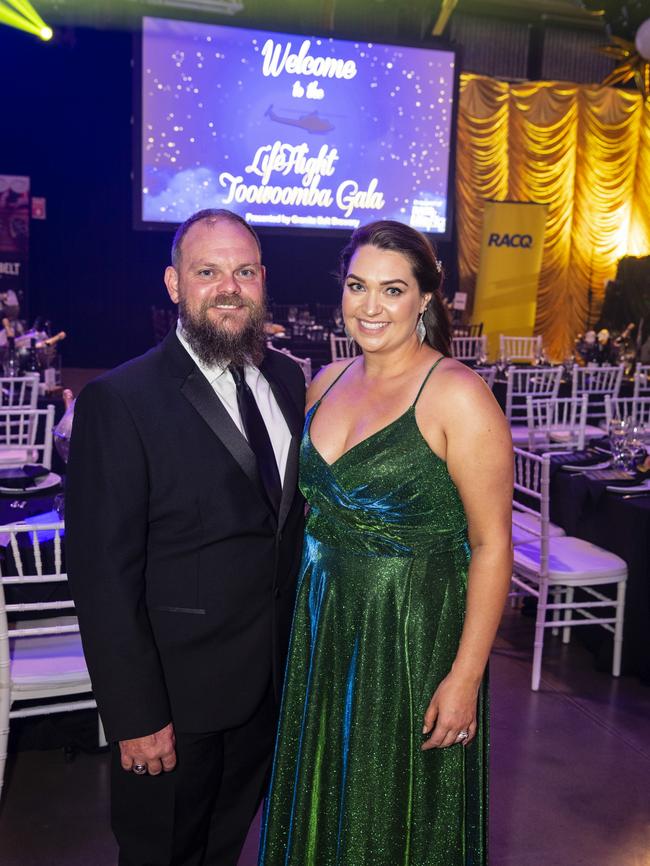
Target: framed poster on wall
x,y
14,241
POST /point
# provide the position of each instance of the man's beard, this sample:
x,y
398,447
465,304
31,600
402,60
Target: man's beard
x,y
217,344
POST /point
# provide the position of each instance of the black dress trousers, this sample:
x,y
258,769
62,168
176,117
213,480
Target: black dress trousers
x,y
198,814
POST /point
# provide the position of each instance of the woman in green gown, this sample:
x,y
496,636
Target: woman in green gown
x,y
406,463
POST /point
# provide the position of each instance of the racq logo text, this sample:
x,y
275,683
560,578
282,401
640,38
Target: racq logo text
x,y
524,242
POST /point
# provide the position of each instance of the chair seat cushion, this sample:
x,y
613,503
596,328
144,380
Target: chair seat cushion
x,y
528,527
591,430
519,433
562,434
572,561
16,456
40,660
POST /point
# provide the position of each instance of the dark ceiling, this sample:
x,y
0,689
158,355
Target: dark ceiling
x,y
404,19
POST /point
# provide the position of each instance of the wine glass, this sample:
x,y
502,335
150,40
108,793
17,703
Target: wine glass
x,y
618,428
635,442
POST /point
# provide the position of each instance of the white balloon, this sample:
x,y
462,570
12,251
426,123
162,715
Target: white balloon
x,y
642,40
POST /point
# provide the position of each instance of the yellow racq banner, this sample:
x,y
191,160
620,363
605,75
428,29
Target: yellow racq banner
x,y
508,274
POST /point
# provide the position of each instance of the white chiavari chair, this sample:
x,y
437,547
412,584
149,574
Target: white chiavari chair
x,y
524,382
596,382
18,392
522,349
341,347
637,409
488,374
556,423
303,363
564,417
553,568
26,436
469,348
642,380
40,659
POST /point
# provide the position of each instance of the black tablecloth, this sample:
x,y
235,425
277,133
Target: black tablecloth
x,y
623,527
16,507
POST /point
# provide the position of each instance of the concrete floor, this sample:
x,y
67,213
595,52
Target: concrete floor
x,y
570,782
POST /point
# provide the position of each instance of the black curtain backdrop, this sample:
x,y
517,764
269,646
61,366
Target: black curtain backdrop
x,y
65,121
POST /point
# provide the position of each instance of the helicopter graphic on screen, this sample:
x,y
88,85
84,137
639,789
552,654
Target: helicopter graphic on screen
x,y
311,122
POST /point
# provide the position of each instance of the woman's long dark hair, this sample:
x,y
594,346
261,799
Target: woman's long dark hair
x,y
427,270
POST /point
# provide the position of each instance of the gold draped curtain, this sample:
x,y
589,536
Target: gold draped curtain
x,y
583,150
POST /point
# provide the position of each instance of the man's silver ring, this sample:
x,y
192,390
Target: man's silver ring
x,y
139,769
462,735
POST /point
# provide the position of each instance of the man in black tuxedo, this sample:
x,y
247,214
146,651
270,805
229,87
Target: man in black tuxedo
x,y
183,536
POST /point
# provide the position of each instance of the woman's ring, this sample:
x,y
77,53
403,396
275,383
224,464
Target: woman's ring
x,y
462,735
139,769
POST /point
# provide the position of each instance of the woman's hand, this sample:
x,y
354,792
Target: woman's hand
x,y
452,709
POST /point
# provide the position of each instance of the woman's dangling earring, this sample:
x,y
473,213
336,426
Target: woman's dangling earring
x,y
420,329
350,340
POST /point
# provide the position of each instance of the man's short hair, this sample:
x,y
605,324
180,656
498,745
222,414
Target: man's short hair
x,y
210,215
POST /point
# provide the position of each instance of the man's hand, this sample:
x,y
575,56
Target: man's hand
x,y
155,751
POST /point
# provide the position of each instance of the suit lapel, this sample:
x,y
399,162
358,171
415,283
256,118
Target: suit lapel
x,y
290,480
294,419
199,392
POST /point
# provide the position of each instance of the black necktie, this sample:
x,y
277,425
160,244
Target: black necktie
x,y
258,438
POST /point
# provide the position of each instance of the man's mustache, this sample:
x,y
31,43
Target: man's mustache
x,y
234,301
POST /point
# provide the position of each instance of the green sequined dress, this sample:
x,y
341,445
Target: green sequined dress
x,y
378,618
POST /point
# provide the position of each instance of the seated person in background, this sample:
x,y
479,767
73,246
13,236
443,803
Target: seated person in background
x,y
644,355
9,305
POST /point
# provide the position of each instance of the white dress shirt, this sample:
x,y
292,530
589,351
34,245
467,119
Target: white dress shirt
x,y
223,385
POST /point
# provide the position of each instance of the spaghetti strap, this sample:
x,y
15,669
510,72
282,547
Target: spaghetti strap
x,y
426,379
332,384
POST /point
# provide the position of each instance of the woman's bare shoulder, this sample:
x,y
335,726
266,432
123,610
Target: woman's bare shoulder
x,y
324,378
456,387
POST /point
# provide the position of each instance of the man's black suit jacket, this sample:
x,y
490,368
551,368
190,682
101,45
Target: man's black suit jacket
x,y
183,577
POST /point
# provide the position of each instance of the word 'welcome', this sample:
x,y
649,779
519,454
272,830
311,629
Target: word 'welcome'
x,y
277,61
